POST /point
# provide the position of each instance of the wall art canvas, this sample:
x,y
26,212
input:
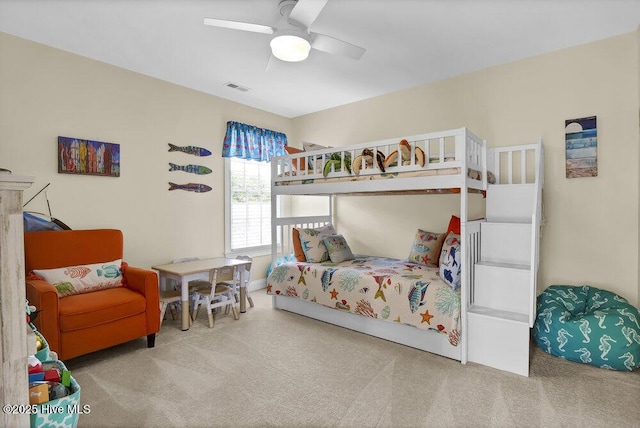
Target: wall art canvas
x,y
77,156
581,147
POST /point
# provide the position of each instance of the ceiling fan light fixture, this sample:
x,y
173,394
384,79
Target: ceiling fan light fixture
x,y
290,46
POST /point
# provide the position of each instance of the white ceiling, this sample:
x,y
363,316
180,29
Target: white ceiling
x,y
408,42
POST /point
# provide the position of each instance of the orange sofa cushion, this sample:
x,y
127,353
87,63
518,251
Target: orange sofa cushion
x,y
92,309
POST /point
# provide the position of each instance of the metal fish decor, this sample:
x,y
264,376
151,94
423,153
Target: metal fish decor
x,y
190,187
194,169
192,150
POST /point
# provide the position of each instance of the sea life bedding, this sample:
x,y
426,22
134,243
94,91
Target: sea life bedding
x,y
378,287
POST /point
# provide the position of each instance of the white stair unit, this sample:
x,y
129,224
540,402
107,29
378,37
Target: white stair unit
x,y
502,298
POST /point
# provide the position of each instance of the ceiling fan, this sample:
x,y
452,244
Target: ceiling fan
x,y
292,39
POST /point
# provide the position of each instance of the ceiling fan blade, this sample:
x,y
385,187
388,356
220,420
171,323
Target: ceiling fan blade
x,y
235,25
269,62
305,12
331,45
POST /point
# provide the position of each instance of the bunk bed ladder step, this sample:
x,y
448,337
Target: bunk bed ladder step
x,y
506,242
501,342
510,202
502,286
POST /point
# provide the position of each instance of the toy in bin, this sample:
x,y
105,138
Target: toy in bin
x,y
54,391
63,397
35,366
56,379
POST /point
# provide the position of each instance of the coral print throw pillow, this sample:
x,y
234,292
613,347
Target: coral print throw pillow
x,y
338,248
426,248
84,278
311,241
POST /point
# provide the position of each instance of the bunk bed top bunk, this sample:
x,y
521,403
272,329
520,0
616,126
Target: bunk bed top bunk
x,y
437,162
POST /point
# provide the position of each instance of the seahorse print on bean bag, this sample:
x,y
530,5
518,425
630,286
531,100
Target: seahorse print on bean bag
x,y
588,325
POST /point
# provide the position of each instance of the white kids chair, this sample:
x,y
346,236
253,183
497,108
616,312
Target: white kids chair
x,y
216,294
247,281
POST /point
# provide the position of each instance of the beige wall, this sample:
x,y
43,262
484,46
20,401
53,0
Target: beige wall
x,y
591,232
46,92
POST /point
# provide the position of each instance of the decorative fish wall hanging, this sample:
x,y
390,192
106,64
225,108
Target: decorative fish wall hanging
x,y
190,187
192,150
194,169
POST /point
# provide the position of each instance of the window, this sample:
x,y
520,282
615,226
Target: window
x,y
247,150
247,207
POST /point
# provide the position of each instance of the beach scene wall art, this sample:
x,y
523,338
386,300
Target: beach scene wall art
x,y
77,156
581,146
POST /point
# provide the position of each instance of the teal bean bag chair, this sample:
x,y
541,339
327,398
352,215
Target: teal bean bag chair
x,y
588,325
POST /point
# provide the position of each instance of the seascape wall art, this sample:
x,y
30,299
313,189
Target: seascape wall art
x,y
87,157
581,147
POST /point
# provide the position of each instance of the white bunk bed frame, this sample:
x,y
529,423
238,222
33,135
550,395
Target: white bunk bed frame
x,y
468,152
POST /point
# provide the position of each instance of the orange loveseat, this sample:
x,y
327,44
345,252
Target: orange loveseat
x,y
82,323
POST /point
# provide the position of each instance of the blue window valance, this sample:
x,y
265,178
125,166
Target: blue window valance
x,y
250,142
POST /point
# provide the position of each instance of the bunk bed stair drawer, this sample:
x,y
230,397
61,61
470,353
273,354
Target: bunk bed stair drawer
x,y
506,242
498,339
510,202
503,286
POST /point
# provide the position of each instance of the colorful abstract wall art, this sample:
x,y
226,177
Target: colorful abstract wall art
x,y
77,156
581,147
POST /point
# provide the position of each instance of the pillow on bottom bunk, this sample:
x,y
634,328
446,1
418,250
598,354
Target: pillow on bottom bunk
x,y
450,270
426,248
311,241
454,225
338,248
297,246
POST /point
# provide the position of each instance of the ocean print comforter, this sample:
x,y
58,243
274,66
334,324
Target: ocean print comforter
x,y
378,287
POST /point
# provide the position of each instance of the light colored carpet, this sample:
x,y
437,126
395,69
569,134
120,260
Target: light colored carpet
x,y
274,368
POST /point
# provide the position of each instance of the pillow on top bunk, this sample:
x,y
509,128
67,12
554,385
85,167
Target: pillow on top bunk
x,y
426,248
311,241
338,248
450,270
309,147
292,151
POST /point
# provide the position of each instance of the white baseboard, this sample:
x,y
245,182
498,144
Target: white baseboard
x,y
258,284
